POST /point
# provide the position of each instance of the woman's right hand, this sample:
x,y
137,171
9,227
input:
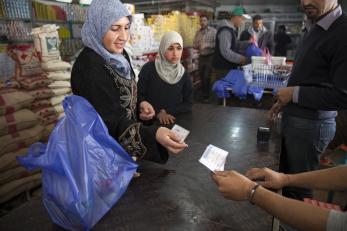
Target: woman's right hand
x,y
165,118
169,140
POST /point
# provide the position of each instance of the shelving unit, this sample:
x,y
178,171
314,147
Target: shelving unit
x,y
18,17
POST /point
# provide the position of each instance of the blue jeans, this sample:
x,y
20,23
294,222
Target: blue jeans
x,y
303,140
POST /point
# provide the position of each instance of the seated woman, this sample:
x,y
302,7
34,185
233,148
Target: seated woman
x,y
164,83
102,74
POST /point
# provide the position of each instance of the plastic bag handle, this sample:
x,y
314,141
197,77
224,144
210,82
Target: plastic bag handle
x,y
267,55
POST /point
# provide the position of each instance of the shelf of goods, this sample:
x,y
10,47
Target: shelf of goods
x,y
19,17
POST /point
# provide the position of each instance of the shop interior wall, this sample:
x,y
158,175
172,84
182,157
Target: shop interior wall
x,y
262,8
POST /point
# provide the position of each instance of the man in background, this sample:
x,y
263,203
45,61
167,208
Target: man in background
x,y
262,35
227,56
204,42
282,40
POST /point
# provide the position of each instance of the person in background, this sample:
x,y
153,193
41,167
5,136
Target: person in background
x,y
317,88
204,41
226,56
103,75
303,216
165,83
282,41
262,36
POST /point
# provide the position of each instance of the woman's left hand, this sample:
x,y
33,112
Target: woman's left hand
x,y
146,111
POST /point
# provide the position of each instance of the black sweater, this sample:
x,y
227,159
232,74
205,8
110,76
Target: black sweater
x,y
114,98
320,70
174,98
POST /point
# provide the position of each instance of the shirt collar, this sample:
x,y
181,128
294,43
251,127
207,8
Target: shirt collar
x,y
206,29
329,19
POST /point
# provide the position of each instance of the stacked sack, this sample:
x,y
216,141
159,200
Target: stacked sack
x,y
33,80
49,110
19,128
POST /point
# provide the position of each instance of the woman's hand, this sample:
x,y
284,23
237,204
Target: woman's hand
x,y
268,178
146,111
165,118
233,185
169,140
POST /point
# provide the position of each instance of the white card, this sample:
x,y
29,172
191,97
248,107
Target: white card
x,y
182,133
214,158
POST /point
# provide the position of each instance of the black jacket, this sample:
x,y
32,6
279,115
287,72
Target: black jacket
x,y
114,98
174,98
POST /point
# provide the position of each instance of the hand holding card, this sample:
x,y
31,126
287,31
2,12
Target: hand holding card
x,y
180,132
214,158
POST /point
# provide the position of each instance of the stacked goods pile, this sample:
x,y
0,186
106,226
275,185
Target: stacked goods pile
x,y
45,10
141,36
19,128
175,21
18,9
49,109
32,79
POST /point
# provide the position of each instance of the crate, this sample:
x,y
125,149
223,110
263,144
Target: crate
x,y
267,76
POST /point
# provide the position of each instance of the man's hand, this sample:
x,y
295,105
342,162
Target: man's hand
x,y
169,140
275,109
268,178
233,185
165,118
283,97
243,60
146,111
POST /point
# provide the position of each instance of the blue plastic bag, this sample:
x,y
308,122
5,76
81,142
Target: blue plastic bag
x,y
85,171
253,50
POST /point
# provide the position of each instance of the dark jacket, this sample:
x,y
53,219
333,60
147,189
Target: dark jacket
x,y
174,98
114,98
282,41
219,62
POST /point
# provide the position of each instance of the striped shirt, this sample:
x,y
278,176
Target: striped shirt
x,y
205,36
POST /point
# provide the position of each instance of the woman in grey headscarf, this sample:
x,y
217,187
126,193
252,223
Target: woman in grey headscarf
x,y
103,75
164,83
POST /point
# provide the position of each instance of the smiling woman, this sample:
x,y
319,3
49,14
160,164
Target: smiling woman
x,y
102,74
116,37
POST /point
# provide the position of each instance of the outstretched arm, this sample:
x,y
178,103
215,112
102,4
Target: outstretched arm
x,y
236,186
325,179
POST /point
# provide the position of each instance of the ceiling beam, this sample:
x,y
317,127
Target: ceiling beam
x,y
210,3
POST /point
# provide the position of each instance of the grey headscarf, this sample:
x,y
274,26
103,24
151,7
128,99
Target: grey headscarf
x,y
170,73
100,16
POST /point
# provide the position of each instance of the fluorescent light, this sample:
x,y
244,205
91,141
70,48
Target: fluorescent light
x,y
66,1
86,2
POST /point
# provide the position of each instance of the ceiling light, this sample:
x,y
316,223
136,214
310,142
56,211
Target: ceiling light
x,y
66,1
86,2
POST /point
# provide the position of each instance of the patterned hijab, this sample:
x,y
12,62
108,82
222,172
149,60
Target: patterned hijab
x,y
100,16
168,72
